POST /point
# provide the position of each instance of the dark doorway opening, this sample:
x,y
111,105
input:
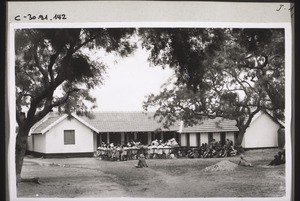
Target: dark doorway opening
x,y
223,138
143,138
104,137
115,138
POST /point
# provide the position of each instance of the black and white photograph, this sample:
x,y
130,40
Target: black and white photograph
x,y
158,110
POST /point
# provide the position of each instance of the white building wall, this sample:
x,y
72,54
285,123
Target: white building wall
x,y
262,132
84,138
230,136
39,143
217,136
183,139
95,141
29,143
193,139
204,138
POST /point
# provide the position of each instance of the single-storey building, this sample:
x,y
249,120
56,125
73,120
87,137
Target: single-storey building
x,y
121,127
62,135
71,135
262,132
218,128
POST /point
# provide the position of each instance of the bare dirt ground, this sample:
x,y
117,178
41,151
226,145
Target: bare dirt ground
x,y
89,177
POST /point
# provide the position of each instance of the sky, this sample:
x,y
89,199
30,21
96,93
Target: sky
x,y
127,83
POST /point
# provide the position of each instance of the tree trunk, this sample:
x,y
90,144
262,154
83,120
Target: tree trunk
x,y
240,137
21,143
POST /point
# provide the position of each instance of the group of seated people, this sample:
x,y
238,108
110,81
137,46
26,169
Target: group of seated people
x,y
164,150
212,150
133,149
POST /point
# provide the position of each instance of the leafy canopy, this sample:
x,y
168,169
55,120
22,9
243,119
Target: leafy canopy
x,y
54,69
232,73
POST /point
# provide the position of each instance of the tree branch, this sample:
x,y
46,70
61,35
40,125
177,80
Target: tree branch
x,y
53,57
64,99
37,62
41,114
238,80
87,41
42,95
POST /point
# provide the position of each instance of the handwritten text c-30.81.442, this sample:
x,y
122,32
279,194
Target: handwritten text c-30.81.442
x,y
41,17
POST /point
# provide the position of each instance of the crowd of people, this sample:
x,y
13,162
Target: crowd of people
x,y
164,150
133,149
214,149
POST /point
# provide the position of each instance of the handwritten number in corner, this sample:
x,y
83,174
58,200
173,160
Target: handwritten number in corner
x,y
40,17
282,7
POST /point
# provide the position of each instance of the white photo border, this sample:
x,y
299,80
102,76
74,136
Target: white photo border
x,y
10,86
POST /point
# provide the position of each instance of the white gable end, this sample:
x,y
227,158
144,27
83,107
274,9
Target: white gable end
x,y
261,133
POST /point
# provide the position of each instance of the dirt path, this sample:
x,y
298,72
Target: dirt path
x,y
89,177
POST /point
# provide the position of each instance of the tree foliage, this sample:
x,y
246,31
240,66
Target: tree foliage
x,y
237,73
54,70
184,50
53,59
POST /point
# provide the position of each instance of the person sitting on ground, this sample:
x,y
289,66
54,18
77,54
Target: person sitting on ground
x,y
124,153
244,162
207,153
142,162
221,152
233,152
275,161
166,151
191,154
172,155
227,143
160,151
214,153
283,155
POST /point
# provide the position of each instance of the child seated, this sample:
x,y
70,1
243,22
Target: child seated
x,y
275,161
142,162
124,155
233,151
243,162
281,157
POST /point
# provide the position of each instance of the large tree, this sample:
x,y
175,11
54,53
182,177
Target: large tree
x,y
230,73
54,70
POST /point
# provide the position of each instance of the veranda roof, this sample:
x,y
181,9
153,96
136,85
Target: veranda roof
x,y
127,122
212,125
133,122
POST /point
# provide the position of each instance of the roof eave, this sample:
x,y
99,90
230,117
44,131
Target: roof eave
x,y
85,123
54,124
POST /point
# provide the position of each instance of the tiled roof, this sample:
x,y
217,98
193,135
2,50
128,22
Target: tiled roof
x,y
126,122
138,122
53,117
212,125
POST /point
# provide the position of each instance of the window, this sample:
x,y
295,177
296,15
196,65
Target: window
x,y
69,136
